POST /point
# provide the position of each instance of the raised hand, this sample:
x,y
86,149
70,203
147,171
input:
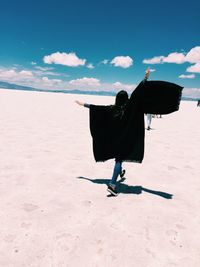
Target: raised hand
x,y
147,73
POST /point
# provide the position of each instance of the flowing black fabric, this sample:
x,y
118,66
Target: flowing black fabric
x,y
119,133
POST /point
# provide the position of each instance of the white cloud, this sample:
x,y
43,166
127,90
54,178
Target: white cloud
x,y
32,79
26,73
117,84
183,76
194,68
45,79
122,61
43,68
85,82
51,82
105,61
175,57
90,66
33,63
152,70
28,78
193,56
50,73
13,75
70,60
8,74
40,71
17,65
121,86
154,60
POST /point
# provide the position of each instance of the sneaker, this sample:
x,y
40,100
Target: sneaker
x,y
112,190
122,173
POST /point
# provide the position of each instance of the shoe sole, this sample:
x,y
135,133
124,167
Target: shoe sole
x,y
111,192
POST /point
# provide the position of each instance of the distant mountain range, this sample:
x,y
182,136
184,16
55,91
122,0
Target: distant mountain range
x,y
6,85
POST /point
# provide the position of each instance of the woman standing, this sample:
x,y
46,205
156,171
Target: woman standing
x,y
117,113
118,130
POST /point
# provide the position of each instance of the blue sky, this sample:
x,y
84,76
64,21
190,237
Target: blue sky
x,y
99,45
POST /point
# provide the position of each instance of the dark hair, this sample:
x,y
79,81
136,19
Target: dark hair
x,y
120,104
121,98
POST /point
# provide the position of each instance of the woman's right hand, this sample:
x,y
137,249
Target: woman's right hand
x,y
79,103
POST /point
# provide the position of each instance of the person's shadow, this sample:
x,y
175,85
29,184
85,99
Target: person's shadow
x,y
128,189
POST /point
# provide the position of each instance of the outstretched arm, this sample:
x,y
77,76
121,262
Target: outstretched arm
x,y
82,104
137,90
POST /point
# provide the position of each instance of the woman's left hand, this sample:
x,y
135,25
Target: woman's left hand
x,y
147,73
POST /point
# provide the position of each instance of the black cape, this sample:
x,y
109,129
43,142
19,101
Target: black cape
x,y
122,137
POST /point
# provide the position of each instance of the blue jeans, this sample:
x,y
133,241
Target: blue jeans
x,y
149,117
116,172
